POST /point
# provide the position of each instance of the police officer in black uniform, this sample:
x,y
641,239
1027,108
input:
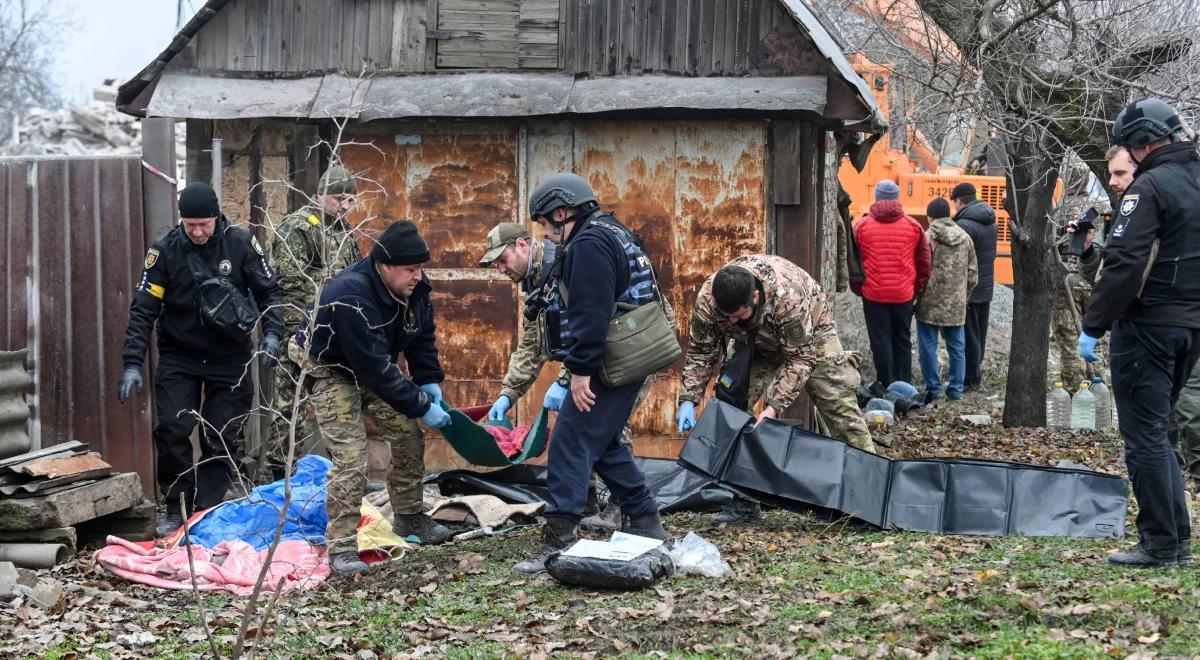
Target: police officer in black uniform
x,y
188,286
600,262
1148,294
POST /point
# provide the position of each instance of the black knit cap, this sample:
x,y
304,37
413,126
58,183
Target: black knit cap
x,y
400,245
199,200
938,208
963,190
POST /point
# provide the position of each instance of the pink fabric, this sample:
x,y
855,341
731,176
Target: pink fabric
x,y
230,566
510,441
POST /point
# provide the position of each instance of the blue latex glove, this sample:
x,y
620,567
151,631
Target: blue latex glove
x,y
436,418
685,420
499,409
555,397
434,391
1087,347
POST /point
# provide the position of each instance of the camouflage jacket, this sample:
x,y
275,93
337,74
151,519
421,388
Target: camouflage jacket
x,y
526,361
953,277
793,328
308,250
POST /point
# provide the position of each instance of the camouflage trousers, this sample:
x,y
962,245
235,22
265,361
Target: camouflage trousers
x,y
1185,426
281,418
1064,335
342,410
832,385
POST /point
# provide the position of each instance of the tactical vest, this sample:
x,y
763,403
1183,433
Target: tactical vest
x,y
641,289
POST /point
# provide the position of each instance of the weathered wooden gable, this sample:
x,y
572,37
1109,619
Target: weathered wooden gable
x,y
589,37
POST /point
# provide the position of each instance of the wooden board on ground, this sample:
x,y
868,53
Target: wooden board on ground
x,y
73,506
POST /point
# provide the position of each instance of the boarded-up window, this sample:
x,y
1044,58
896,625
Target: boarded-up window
x,y
497,34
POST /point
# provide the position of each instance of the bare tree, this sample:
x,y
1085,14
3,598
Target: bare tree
x,y
1049,76
28,36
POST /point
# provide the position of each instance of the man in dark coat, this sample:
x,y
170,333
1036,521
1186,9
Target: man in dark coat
x,y
978,219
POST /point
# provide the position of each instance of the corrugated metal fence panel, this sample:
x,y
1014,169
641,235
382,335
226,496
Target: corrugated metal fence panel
x,y
14,410
74,235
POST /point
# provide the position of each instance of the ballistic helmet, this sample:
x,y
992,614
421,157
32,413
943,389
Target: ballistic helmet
x,y
560,190
1145,121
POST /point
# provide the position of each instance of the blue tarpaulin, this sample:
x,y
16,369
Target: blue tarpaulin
x,y
254,518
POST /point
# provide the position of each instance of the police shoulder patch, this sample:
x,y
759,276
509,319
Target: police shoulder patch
x,y
151,257
254,243
1129,203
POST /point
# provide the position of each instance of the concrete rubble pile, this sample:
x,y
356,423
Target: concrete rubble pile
x,y
91,129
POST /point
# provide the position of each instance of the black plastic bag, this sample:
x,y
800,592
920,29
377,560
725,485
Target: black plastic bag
x,y
621,575
675,488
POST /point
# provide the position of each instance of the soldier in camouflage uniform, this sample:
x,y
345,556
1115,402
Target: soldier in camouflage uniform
x,y
527,262
942,305
796,347
368,316
1073,292
311,246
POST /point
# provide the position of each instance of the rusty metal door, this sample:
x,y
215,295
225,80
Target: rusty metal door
x,y
74,236
694,190
696,193
454,181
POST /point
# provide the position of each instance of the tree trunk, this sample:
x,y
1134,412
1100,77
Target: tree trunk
x,y
1035,158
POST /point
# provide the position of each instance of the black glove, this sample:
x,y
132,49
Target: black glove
x,y
130,378
269,350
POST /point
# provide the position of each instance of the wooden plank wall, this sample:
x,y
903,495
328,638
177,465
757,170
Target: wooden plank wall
x,y
692,37
597,37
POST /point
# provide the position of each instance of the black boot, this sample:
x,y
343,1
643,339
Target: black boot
x,y
1139,557
557,534
649,526
168,523
428,531
739,511
607,520
1183,556
592,506
348,563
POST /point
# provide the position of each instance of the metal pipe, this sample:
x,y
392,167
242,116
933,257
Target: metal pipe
x,y
34,555
216,166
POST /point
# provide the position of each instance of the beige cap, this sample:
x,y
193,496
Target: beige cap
x,y
500,237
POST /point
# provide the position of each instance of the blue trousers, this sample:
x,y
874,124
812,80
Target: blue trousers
x,y
956,346
583,442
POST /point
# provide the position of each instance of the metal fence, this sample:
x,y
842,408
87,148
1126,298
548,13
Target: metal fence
x,y
74,235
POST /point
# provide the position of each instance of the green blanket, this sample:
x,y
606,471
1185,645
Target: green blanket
x,y
472,441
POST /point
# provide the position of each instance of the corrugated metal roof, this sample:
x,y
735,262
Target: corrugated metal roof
x,y
474,95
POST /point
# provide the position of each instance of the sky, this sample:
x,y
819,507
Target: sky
x,y
104,38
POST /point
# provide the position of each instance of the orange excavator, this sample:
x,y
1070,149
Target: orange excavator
x,y
920,174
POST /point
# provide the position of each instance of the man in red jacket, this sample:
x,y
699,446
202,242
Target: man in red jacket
x,y
896,261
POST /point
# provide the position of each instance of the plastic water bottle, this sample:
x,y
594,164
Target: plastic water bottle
x,y
1104,407
1083,408
880,412
880,418
1058,408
